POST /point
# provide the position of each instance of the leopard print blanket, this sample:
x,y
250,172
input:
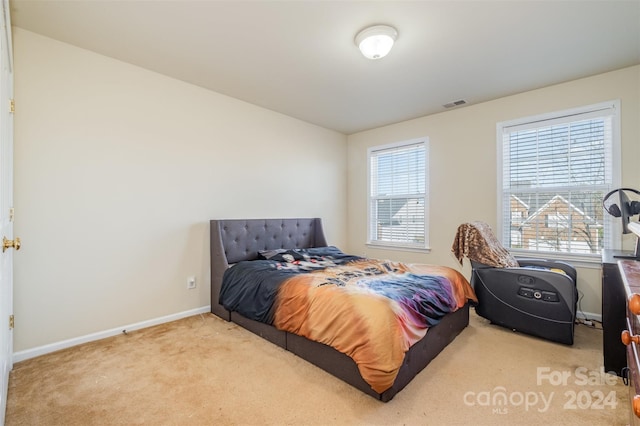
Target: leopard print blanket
x,y
477,242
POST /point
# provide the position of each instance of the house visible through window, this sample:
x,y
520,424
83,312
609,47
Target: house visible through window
x,y
398,194
555,169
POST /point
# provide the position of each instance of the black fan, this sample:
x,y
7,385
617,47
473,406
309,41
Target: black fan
x,y
625,211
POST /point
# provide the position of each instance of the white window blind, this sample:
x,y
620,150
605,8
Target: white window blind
x,y
555,171
398,194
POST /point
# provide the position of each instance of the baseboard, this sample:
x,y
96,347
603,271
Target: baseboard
x,y
589,316
52,347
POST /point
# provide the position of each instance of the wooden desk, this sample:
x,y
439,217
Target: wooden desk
x,y
630,274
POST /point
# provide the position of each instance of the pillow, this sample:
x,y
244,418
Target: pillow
x,y
330,251
312,254
280,255
268,254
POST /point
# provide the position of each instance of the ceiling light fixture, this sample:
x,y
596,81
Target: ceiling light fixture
x,y
376,41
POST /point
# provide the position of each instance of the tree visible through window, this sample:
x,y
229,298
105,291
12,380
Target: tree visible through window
x,y
397,194
555,170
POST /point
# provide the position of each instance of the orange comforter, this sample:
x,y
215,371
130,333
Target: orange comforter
x,y
351,308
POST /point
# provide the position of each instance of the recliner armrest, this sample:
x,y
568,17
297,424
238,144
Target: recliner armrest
x,y
551,264
511,280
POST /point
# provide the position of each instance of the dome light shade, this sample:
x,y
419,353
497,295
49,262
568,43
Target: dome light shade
x,y
376,41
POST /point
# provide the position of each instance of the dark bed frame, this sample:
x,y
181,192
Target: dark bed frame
x,y
236,240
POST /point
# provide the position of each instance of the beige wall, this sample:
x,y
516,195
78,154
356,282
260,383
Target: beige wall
x,y
463,163
117,172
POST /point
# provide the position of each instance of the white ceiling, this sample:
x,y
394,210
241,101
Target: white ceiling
x,y
299,57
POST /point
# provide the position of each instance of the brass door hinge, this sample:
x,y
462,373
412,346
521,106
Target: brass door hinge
x,y
12,105
11,322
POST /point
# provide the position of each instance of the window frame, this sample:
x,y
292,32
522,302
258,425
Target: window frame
x,y
406,245
611,225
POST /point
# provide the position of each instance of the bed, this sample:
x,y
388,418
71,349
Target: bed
x,y
237,244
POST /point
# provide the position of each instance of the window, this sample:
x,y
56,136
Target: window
x,y
398,194
558,167
516,217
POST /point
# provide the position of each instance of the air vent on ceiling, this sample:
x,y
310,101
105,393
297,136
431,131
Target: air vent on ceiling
x,y
455,103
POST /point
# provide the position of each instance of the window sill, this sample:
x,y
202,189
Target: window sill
x,y
389,246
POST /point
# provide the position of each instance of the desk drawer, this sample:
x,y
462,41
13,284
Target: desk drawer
x,y
633,362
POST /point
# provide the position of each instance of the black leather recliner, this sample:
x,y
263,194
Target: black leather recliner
x,y
539,302
537,297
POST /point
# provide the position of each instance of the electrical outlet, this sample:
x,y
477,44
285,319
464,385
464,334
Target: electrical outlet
x,y
191,282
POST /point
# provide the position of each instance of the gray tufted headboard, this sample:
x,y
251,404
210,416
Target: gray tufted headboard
x,y
235,240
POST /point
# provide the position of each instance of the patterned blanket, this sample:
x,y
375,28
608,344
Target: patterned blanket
x,y
370,310
477,242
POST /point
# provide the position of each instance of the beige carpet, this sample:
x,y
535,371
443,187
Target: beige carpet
x,y
204,371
